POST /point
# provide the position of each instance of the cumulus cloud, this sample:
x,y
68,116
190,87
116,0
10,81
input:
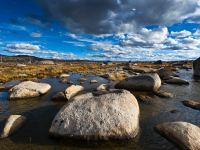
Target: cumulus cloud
x,y
31,49
114,16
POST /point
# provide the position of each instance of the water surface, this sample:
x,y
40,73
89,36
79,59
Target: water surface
x,y
41,111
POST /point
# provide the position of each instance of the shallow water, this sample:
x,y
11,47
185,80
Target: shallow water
x,y
41,111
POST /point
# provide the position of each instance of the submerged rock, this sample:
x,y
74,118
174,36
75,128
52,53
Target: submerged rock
x,y
163,94
196,67
73,90
113,115
176,80
13,123
60,96
28,89
145,82
145,99
193,104
183,134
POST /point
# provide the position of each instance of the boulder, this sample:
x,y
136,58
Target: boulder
x,y
13,123
113,115
73,90
192,104
164,73
60,96
196,67
176,80
145,82
183,134
28,89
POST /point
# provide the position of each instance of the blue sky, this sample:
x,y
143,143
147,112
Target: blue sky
x,y
100,29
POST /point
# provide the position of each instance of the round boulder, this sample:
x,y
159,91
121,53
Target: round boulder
x,y
145,82
28,89
113,115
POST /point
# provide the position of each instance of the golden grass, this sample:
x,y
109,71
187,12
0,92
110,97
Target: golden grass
x,y
12,72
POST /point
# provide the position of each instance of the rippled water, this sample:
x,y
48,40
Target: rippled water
x,y
41,111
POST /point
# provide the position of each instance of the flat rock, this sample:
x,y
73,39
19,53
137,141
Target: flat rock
x,y
28,89
183,134
113,115
13,123
163,94
192,104
145,99
145,82
176,80
64,75
73,90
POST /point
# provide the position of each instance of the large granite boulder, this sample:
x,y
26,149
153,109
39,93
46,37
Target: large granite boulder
x,y
28,89
13,123
183,134
145,82
113,115
196,67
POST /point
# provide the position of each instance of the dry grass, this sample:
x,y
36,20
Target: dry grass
x,y
12,72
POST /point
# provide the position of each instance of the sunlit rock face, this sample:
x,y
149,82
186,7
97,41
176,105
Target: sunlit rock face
x,y
114,115
28,89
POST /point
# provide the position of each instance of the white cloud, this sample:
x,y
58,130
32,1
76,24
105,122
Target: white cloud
x,y
36,34
31,49
181,34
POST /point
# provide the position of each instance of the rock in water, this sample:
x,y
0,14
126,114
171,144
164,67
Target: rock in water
x,y
114,115
28,89
73,90
176,80
13,123
60,96
185,135
196,67
145,82
192,104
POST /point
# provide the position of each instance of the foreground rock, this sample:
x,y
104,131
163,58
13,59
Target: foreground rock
x,y
113,115
145,82
13,123
176,80
193,104
28,89
196,67
73,90
183,134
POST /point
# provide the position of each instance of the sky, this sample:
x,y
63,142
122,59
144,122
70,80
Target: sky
x,y
116,30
